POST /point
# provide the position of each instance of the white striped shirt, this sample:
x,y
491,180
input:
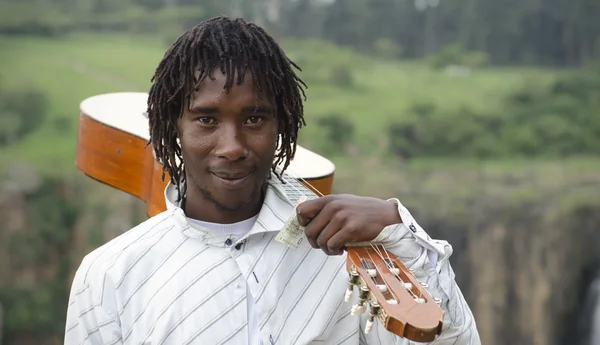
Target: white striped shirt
x,y
170,281
238,229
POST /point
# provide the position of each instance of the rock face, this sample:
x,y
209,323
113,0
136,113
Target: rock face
x,y
1,321
46,230
523,263
523,275
524,240
588,324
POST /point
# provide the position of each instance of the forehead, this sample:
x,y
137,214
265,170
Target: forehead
x,y
212,88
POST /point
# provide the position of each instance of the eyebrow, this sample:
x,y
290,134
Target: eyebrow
x,y
203,110
248,109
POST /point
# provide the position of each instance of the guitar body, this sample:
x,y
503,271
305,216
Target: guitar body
x,y
111,148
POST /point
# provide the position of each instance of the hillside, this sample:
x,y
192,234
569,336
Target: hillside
x,y
367,91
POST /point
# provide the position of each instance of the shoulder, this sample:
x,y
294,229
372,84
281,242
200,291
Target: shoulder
x,y
123,249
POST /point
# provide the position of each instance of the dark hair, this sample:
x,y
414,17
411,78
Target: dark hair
x,y
233,45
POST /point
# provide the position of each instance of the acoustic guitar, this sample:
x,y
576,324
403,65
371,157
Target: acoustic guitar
x,y
112,149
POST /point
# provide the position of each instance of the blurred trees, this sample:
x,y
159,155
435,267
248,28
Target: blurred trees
x,y
542,32
21,112
558,120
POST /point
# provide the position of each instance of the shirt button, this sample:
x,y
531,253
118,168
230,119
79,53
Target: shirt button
x,y
228,242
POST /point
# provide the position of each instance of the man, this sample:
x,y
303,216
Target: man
x,y
224,109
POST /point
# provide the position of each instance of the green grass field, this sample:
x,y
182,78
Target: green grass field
x,y
71,69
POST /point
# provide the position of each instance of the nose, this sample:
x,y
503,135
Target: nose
x,y
231,143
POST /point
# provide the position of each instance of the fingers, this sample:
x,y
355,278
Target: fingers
x,y
329,223
336,244
323,237
315,227
309,209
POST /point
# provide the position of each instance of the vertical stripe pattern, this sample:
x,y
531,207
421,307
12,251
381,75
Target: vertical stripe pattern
x,y
167,281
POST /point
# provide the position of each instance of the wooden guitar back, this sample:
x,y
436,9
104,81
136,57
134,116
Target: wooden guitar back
x,y
111,148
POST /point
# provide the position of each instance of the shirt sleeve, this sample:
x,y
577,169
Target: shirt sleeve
x,y
429,258
91,317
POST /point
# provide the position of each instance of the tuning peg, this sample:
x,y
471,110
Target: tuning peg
x,y
395,271
369,325
382,288
372,273
349,291
372,315
353,280
360,307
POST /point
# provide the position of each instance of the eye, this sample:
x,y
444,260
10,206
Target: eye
x,y
207,121
253,120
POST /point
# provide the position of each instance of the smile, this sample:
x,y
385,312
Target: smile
x,y
232,181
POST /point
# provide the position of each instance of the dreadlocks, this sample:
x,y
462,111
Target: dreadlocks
x,y
234,46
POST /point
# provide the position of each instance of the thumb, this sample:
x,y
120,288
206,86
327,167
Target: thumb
x,y
307,210
302,219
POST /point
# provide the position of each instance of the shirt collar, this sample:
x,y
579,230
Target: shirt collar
x,y
275,211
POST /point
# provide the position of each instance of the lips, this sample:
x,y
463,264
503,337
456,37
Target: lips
x,y
230,175
231,179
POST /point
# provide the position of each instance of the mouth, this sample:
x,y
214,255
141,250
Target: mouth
x,y
230,180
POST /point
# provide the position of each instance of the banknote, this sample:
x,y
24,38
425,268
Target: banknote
x,y
292,233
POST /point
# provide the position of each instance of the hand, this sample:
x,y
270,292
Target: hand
x,y
334,220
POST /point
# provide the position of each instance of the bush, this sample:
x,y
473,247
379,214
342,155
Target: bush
x,y
535,121
37,309
23,18
387,48
342,77
455,54
335,133
21,112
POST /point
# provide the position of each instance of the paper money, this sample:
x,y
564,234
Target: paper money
x,y
292,233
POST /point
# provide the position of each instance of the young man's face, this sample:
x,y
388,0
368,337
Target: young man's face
x,y
228,143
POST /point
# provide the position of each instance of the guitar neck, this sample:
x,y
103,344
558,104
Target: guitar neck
x,y
295,190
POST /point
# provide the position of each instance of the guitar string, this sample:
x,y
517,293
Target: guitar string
x,y
390,265
420,295
384,281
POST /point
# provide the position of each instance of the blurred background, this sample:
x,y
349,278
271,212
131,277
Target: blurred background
x,y
482,116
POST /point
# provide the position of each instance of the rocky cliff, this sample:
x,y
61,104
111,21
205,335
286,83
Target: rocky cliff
x,y
522,250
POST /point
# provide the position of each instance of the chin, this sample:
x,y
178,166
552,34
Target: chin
x,y
237,205
234,200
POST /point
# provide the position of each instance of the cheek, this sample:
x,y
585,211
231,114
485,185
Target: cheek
x,y
266,143
195,146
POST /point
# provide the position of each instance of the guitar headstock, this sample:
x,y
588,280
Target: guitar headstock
x,y
394,296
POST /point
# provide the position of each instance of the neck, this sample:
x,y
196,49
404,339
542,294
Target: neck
x,y
201,207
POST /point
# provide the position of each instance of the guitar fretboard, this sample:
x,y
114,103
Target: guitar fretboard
x,y
296,190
